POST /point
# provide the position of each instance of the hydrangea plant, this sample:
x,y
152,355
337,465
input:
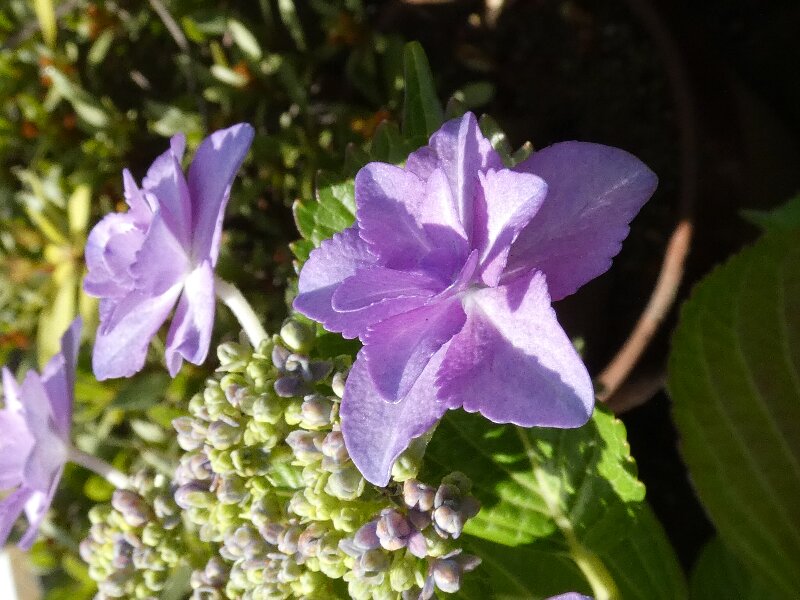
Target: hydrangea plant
x,y
300,469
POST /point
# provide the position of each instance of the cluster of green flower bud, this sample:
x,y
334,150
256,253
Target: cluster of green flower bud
x,y
267,482
134,543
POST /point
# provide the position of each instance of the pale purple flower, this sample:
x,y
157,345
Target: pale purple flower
x,y
34,437
163,251
570,596
447,278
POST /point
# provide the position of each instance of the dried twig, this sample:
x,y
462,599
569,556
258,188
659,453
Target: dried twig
x,y
660,302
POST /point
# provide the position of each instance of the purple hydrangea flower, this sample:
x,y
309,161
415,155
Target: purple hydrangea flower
x,y
161,251
35,424
447,278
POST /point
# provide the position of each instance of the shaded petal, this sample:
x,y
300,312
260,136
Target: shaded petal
x,y
140,207
376,432
36,509
513,363
49,451
570,596
190,333
594,191
327,267
120,351
58,378
388,199
210,177
461,152
507,203
11,508
166,182
110,252
373,284
162,261
16,443
398,349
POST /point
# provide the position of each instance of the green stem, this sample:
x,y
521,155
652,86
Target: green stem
x,y
601,581
241,309
116,478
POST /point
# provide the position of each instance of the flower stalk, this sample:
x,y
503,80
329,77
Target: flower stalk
x,y
231,297
97,465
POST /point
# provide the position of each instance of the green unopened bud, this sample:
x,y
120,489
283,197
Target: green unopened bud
x,y
305,445
265,435
293,412
221,461
226,516
214,398
250,461
156,580
194,495
153,534
133,508
99,513
337,383
222,434
346,483
197,407
232,356
267,409
261,372
409,462
316,411
191,432
404,573
347,518
297,336
231,489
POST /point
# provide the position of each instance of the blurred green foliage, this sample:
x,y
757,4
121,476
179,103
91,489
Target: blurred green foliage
x,y
89,88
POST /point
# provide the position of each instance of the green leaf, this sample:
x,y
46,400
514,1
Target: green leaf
x,y
571,496
140,393
79,209
388,144
719,574
229,76
475,94
288,14
56,317
46,15
422,112
734,377
332,211
86,106
244,38
786,216
99,49
498,138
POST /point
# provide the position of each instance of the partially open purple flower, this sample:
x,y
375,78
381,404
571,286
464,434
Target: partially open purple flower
x,y
570,596
447,278
34,437
161,251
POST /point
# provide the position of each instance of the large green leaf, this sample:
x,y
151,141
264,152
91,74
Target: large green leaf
x,y
719,574
734,377
784,217
422,112
562,509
